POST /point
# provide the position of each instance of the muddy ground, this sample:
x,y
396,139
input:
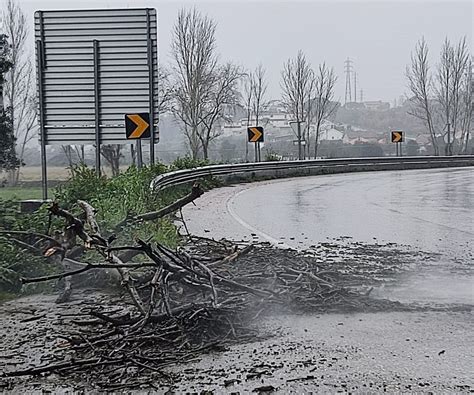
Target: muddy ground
x,y
419,345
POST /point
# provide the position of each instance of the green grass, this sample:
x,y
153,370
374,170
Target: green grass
x,y
22,193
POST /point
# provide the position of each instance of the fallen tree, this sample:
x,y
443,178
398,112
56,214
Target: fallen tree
x,y
179,302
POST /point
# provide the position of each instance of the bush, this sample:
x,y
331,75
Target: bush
x,y
15,261
272,157
188,163
115,198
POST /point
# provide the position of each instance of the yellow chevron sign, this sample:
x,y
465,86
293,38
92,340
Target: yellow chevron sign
x,y
137,126
397,137
255,134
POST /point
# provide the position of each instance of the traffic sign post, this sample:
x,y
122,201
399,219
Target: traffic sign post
x,y
300,125
255,135
137,127
397,138
93,67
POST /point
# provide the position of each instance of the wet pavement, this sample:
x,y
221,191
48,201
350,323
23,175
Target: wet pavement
x,y
357,353
429,210
418,221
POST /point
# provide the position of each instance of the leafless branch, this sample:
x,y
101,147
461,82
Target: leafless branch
x,y
420,85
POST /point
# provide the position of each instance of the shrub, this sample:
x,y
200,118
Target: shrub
x,y
115,198
188,163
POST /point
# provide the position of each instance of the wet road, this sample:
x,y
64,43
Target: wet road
x,y
423,351
429,210
432,209
424,210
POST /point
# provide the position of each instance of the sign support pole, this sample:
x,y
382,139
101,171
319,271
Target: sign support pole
x,y
151,104
96,106
246,149
44,173
256,152
139,154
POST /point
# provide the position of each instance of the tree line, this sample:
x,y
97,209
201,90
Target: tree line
x,y
443,97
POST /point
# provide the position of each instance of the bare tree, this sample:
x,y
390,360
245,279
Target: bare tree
x,y
443,89
420,85
195,64
74,154
259,88
165,90
324,106
254,92
309,114
466,106
112,154
460,64
20,81
450,74
221,95
247,99
296,82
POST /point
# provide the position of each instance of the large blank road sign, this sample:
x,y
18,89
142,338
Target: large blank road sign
x,y
95,66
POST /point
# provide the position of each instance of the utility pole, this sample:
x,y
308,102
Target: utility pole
x,y
361,95
348,70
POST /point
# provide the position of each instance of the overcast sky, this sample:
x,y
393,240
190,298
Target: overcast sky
x,y
377,35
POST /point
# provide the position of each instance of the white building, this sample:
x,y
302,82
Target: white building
x,y
330,134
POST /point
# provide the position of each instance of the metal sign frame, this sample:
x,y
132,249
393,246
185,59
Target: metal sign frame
x,y
94,66
393,136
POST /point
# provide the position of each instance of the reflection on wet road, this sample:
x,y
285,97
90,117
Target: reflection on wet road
x,y
430,209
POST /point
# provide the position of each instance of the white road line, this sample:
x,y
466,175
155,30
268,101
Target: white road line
x,y
252,229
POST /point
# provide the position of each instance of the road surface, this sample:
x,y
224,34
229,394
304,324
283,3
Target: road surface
x,y
427,349
429,210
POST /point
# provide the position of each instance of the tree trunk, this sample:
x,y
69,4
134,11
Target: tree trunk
x,y
205,150
316,140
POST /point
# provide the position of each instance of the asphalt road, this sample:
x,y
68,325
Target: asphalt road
x,y
425,350
429,210
422,210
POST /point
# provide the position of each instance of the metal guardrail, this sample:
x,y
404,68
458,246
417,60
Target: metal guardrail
x,y
384,163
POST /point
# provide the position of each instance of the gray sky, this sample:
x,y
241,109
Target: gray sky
x,y
377,35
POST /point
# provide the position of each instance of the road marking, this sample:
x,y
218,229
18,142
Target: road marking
x,y
233,214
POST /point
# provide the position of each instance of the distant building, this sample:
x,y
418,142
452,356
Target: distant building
x,y
354,106
331,135
377,105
